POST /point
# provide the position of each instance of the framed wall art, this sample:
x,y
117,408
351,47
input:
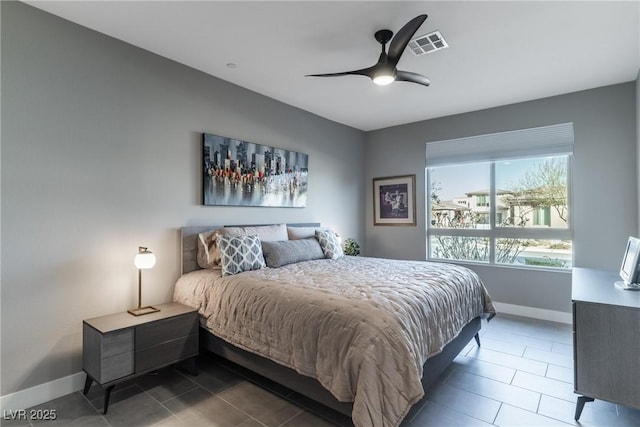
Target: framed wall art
x,y
241,173
394,200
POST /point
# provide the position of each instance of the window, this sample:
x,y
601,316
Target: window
x,y
541,215
482,200
503,210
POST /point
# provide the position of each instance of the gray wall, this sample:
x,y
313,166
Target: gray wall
x,y
638,142
605,198
101,150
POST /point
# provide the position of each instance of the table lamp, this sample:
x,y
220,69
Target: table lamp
x,y
144,260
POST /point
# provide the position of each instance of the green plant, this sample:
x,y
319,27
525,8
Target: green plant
x,y
545,262
351,247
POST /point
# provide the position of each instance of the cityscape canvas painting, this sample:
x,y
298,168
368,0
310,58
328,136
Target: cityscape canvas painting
x,y
241,173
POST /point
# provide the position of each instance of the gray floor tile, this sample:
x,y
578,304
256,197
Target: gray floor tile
x,y
537,329
502,346
466,349
166,384
436,415
527,341
465,402
592,416
307,419
484,369
266,407
96,392
565,349
15,418
630,415
560,373
525,399
251,423
509,361
543,385
265,383
322,411
118,394
70,410
138,409
214,377
200,408
561,336
171,421
510,416
549,357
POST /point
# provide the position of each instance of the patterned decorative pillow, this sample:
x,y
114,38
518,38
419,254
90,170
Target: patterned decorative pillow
x,y
329,243
240,253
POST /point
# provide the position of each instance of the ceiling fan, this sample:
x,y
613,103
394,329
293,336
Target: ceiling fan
x,y
386,71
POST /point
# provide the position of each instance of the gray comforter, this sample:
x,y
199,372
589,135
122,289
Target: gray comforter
x,y
363,327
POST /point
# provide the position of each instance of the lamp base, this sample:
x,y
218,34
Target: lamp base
x,y
143,310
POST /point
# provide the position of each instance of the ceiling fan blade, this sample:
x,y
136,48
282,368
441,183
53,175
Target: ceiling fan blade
x,y
402,39
363,72
406,76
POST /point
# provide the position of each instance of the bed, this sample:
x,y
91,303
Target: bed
x,y
363,336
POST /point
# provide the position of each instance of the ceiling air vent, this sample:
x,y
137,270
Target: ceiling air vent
x,y
428,43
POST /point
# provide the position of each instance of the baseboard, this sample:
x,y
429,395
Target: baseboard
x,y
533,312
42,393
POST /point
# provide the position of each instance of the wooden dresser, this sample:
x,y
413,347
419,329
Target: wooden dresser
x,y
606,339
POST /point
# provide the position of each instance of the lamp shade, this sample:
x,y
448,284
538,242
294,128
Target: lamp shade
x,y
144,259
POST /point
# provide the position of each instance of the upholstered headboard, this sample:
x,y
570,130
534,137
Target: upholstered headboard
x,y
189,238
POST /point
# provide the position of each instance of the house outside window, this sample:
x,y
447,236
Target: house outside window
x,y
502,211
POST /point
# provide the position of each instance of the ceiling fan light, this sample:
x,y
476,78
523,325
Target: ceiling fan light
x,y
383,79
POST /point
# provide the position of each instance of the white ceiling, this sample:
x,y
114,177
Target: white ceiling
x,y
500,52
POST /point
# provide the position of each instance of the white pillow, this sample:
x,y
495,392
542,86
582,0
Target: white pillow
x,y
208,253
296,233
267,233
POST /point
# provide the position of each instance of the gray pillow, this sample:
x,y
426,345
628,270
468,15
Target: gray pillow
x,y
284,252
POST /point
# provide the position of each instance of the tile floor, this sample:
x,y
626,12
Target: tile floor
x,y
521,376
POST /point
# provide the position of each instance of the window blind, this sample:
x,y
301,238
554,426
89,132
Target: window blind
x,y
539,141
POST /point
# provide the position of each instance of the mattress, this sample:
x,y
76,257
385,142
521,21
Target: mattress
x,y
363,327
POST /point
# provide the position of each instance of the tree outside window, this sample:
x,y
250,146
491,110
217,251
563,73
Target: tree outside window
x,y
530,224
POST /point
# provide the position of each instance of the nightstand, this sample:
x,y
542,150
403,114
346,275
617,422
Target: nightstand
x,y
119,347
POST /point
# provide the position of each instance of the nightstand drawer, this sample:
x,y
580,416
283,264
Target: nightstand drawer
x,y
166,353
155,333
117,342
116,367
